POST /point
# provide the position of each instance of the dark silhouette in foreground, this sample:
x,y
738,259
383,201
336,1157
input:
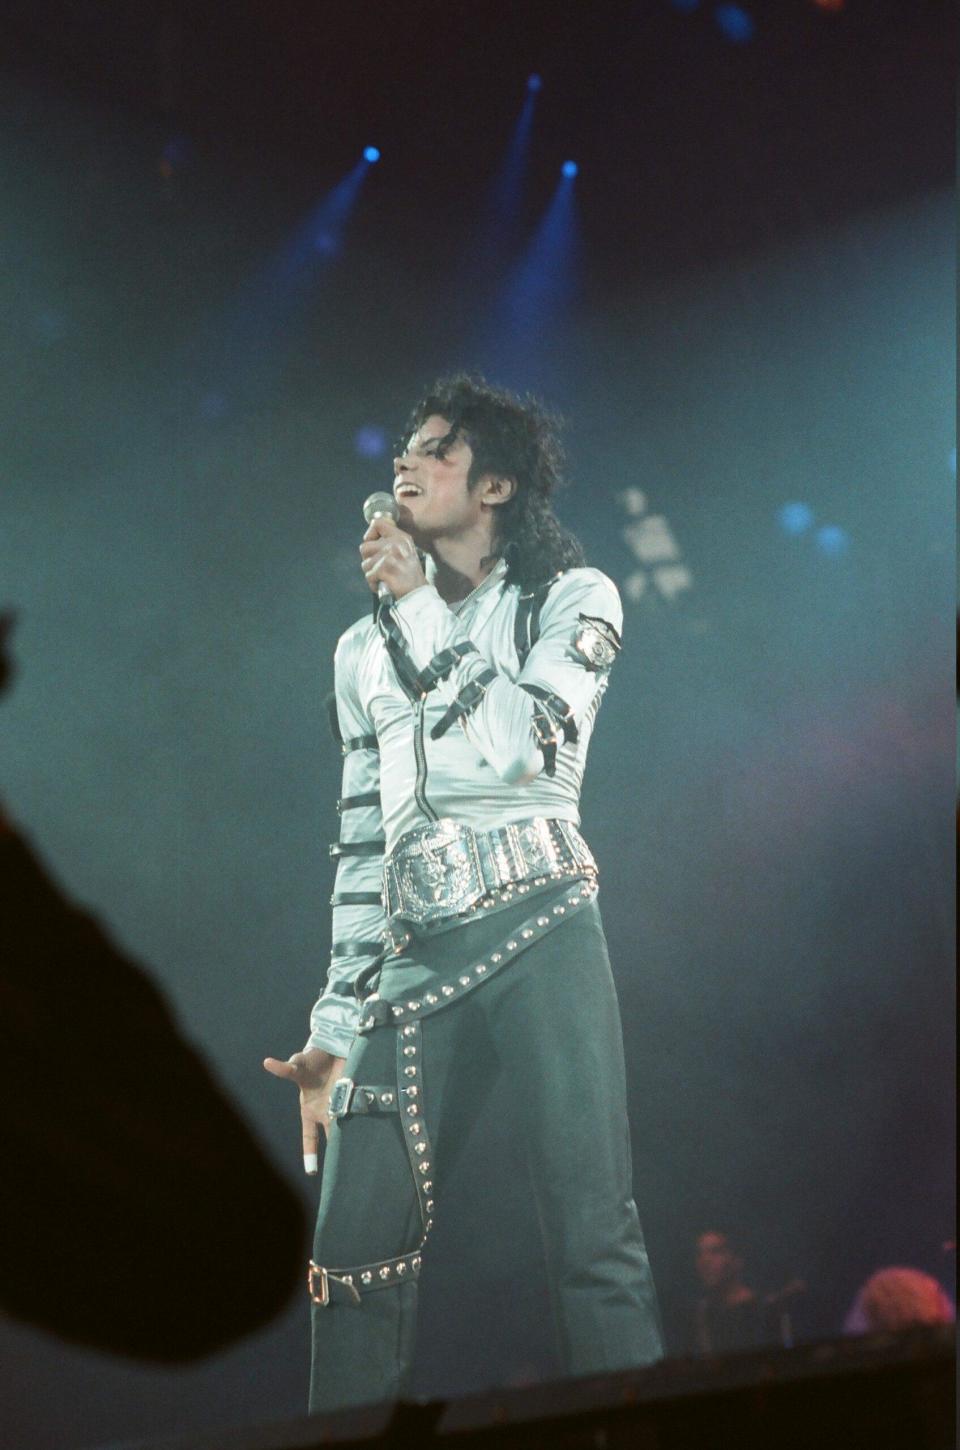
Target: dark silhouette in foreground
x,y
139,1216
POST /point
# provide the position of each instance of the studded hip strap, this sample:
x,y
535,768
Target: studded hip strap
x,y
375,1012
327,1286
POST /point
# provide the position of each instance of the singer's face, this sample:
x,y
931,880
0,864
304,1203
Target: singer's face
x,y
430,484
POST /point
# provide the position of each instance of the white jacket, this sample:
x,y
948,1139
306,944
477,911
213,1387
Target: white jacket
x,y
485,770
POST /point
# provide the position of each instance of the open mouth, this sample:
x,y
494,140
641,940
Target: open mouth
x,y
407,490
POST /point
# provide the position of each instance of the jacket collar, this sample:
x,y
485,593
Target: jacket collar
x,y
494,578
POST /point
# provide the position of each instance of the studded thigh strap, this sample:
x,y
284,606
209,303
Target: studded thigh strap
x,y
328,1286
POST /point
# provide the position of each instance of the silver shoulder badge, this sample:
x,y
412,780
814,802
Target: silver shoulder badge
x,y
597,642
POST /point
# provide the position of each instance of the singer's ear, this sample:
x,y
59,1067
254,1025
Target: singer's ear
x,y
495,491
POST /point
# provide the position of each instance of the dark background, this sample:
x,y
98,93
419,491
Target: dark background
x,y
762,313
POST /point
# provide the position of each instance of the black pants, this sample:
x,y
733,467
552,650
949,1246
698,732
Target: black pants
x,y
550,1022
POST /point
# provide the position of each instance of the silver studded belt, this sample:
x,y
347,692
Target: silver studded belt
x,y
446,868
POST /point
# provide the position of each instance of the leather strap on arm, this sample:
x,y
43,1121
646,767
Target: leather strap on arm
x,y
440,666
555,706
360,742
353,802
468,699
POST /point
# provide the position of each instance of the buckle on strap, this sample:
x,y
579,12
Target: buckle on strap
x,y
374,1012
319,1294
339,1103
354,1097
467,700
320,1281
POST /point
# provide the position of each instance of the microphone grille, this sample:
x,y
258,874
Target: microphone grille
x,y
379,504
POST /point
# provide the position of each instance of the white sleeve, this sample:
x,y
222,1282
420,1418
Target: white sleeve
x,y
358,915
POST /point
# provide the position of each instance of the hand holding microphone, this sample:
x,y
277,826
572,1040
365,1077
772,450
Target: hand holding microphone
x,y
389,557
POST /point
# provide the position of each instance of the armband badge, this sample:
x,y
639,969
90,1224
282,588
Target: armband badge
x,y
596,642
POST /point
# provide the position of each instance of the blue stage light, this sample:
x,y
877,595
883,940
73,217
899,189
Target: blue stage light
x,y
569,168
537,290
371,154
534,83
370,441
832,540
735,23
795,518
256,328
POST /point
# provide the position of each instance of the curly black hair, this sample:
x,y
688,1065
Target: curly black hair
x,y
517,438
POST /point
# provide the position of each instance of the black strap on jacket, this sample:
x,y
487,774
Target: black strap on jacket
x,y
408,676
360,742
354,802
356,898
526,624
355,848
545,734
417,683
440,666
342,986
557,708
468,699
356,948
550,716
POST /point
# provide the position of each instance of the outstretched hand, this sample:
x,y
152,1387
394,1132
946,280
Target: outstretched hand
x,y
314,1073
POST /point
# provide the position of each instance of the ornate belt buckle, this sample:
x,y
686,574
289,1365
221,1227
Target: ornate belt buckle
x,y
437,873
340,1099
323,1296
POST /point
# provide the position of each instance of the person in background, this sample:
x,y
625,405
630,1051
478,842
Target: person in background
x,y
729,1315
897,1298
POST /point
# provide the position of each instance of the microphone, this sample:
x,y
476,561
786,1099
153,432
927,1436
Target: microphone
x,y
382,506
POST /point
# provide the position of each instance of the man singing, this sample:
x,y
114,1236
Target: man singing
x,y
467,942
